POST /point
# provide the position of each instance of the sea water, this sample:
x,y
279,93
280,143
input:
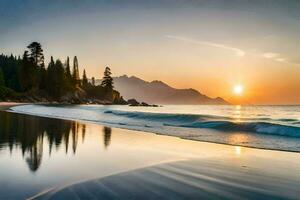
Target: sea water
x,y
268,127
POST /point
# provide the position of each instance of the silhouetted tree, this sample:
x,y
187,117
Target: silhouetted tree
x,y
93,81
42,77
55,79
75,74
69,86
36,55
84,79
50,77
107,81
28,73
11,70
68,69
59,79
2,83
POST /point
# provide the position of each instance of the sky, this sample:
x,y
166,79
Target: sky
x,y
209,45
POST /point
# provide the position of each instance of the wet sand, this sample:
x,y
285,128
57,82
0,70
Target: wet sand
x,y
193,170
78,160
7,105
192,179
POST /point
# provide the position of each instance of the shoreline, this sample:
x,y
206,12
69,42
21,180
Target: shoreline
x,y
7,104
151,132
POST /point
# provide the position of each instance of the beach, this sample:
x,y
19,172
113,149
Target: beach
x,y
45,158
7,105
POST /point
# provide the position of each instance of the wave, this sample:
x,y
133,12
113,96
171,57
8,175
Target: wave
x,y
256,127
155,122
216,122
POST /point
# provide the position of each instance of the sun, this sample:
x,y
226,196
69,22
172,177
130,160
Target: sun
x,y
238,89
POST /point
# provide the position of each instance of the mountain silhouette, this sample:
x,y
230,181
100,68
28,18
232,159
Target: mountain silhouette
x,y
158,92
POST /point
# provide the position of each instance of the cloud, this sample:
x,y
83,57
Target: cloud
x,y
281,59
278,58
236,51
271,55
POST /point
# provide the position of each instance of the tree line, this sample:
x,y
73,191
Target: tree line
x,y
28,76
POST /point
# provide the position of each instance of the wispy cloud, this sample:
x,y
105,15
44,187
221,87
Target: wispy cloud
x,y
278,58
236,51
271,55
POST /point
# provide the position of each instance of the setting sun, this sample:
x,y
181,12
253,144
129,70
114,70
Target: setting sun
x,y
238,89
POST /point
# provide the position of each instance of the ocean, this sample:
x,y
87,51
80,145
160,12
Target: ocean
x,y
267,127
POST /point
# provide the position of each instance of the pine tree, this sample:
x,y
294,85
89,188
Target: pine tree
x,y
28,73
51,64
2,82
11,66
36,55
50,77
68,69
68,76
3,90
42,78
107,81
55,79
60,78
84,79
32,72
75,74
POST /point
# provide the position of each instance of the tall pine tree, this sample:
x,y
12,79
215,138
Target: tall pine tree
x,y
68,69
107,84
42,77
84,79
28,73
36,55
107,81
2,82
2,85
50,77
68,76
75,73
55,79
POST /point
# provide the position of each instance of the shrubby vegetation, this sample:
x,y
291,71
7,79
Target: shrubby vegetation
x,y
28,79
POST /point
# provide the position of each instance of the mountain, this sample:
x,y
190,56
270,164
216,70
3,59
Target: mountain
x,y
158,92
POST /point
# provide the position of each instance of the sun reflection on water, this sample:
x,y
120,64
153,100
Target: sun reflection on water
x,y
237,113
238,150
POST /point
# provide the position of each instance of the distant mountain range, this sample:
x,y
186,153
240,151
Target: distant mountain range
x,y
158,92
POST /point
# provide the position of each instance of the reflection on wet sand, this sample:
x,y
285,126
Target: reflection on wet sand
x,y
29,132
107,136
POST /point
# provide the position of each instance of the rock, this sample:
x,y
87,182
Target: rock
x,y
144,104
133,102
121,101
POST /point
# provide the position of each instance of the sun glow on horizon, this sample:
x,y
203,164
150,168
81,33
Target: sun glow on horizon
x,y
238,89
